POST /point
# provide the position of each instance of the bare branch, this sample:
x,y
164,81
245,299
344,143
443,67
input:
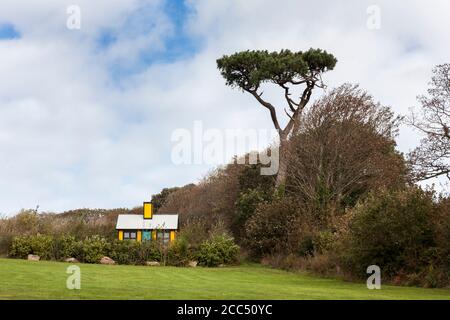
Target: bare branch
x,y
432,158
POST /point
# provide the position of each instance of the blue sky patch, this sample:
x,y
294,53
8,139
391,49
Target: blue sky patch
x,y
176,45
180,45
7,31
106,38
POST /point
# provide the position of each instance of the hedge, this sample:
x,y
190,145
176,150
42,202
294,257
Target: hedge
x,y
217,250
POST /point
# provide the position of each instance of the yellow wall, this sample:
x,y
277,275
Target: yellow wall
x,y
148,210
173,235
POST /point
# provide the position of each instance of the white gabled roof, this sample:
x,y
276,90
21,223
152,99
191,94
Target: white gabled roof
x,y
137,221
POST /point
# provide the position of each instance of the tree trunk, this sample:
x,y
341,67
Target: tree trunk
x,y
283,163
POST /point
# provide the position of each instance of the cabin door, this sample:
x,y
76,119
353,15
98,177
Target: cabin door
x,y
146,235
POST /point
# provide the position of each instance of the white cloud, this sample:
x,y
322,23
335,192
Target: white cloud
x,y
74,134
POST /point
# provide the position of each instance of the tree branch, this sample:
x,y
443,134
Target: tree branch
x,y
292,105
269,106
294,123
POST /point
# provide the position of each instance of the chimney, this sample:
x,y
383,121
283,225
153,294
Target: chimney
x,y
148,210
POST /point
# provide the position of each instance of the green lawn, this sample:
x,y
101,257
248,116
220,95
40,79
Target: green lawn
x,y
21,279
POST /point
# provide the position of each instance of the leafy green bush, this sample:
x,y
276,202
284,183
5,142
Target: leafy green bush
x,y
324,241
94,248
70,247
246,205
20,247
149,251
41,245
221,249
125,252
268,229
66,247
132,252
392,230
179,252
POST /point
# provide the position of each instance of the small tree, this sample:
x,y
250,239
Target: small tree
x,y
431,158
248,70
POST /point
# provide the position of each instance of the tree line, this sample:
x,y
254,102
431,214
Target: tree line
x,y
344,198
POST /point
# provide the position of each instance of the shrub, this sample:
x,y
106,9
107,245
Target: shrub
x,y
94,248
125,252
268,229
5,243
41,245
149,251
66,247
194,230
306,246
441,224
179,252
132,252
20,247
324,241
220,249
247,204
392,230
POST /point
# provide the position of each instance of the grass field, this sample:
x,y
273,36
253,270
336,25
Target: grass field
x,y
21,279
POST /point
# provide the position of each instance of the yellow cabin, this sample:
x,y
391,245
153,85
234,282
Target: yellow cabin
x,y
147,226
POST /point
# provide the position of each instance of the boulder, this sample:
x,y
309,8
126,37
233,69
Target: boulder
x,y
221,265
152,263
107,260
33,257
71,260
192,264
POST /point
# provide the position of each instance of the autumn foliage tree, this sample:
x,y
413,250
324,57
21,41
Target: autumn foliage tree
x,y
248,70
344,148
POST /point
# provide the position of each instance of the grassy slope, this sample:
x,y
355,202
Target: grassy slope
x,y
20,279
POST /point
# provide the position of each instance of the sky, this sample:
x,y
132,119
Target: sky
x,y
87,114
